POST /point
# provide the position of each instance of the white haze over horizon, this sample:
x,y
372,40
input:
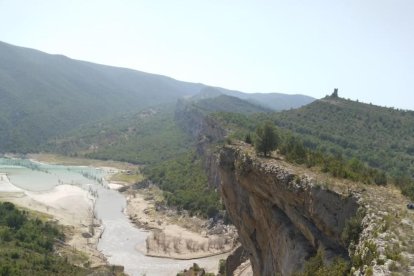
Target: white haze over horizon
x,y
365,48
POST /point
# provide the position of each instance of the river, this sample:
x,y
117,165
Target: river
x,y
121,239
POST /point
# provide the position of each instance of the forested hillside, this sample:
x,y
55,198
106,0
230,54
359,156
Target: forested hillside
x,y
381,137
43,96
146,137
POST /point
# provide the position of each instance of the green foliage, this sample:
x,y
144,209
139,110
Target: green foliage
x,y
299,151
369,271
380,138
195,270
316,266
222,267
147,137
248,139
185,186
27,245
353,228
267,138
370,253
393,252
292,147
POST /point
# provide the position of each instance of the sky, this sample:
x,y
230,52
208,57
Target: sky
x,y
363,47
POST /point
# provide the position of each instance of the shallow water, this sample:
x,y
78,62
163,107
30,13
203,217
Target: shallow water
x,y
121,238
37,177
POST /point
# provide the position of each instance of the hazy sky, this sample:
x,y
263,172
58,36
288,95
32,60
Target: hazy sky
x,y
363,47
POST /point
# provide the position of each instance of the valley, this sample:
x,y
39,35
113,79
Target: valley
x,y
101,230
147,175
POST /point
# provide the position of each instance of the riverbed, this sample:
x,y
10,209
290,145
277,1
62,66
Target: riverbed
x,y
121,242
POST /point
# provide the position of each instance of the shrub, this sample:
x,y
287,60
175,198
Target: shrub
x,y
316,266
353,228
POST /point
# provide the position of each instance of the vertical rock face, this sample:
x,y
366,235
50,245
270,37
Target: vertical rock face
x,y
282,218
205,132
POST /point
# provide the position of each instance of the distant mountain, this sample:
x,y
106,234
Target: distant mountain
x,y
225,103
43,96
382,137
271,101
274,101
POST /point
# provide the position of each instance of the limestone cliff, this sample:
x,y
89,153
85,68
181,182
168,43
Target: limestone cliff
x,y
205,132
285,213
282,217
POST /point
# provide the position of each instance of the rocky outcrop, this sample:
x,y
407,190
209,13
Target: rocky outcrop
x,y
235,259
197,124
283,217
206,132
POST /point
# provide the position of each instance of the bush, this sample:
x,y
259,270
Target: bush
x,y
353,228
316,266
222,267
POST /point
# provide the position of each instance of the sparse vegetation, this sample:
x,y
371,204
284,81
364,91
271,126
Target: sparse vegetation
x,y
393,252
365,256
194,271
353,228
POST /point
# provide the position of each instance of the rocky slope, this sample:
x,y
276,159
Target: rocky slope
x,y
282,219
285,214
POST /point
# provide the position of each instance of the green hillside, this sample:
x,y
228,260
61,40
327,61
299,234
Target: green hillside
x,y
225,103
146,137
43,95
381,137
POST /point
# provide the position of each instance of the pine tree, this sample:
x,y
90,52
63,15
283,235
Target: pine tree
x,y
267,139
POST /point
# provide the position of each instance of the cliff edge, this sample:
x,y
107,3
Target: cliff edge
x,y
285,214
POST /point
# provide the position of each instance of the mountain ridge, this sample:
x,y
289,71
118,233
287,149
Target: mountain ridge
x,y
43,96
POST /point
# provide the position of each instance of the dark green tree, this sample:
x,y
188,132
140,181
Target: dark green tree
x,y
267,138
248,139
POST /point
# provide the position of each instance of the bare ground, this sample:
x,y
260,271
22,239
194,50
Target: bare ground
x,y
173,235
81,229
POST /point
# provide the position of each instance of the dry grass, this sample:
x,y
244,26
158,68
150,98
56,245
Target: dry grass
x,y
127,177
78,161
